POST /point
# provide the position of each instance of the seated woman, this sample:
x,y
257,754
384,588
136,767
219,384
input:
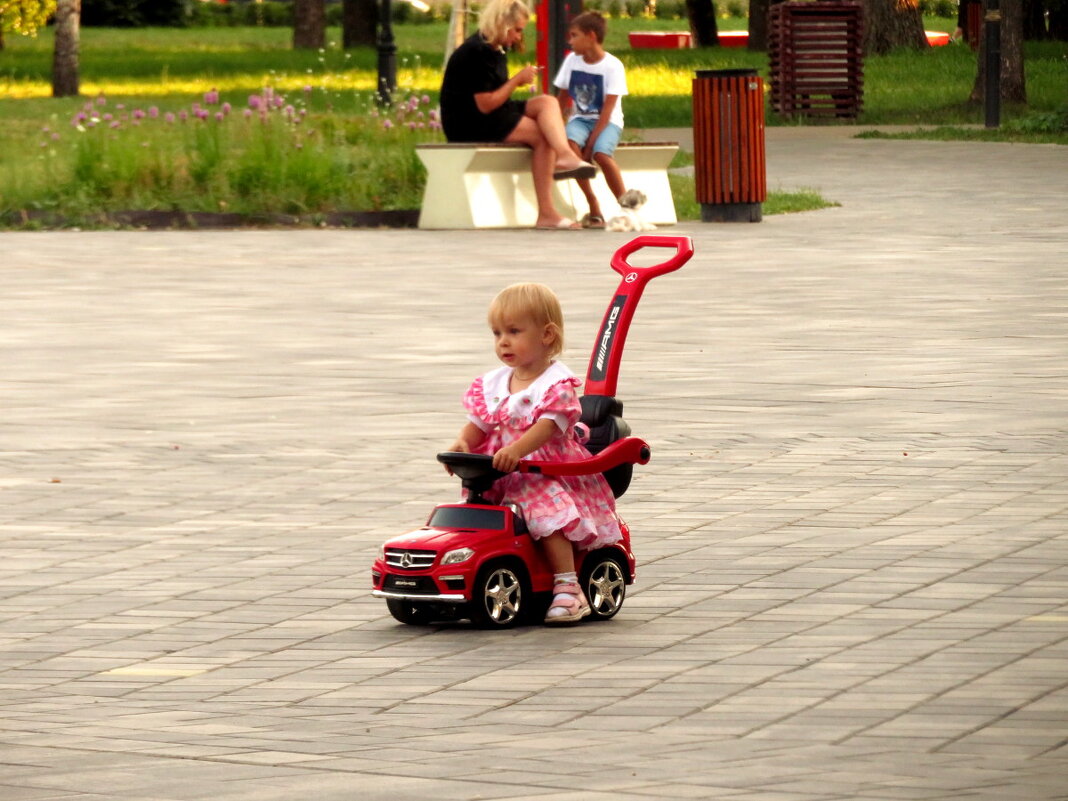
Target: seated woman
x,y
477,105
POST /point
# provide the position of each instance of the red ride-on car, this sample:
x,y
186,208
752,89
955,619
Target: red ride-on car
x,y
476,560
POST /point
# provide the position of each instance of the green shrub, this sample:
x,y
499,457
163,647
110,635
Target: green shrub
x,y
670,9
737,9
132,13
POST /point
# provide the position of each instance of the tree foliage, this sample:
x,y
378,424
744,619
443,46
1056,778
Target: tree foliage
x,y
24,16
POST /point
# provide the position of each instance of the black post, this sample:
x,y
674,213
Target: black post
x,y
387,56
992,22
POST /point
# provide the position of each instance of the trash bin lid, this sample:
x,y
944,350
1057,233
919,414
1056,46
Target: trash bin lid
x,y
739,73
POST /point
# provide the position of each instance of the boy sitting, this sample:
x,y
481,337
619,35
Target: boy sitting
x,y
592,81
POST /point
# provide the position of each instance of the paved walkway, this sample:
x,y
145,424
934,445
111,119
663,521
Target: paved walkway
x,y
853,578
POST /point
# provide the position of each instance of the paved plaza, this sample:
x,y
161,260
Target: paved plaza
x,y
853,558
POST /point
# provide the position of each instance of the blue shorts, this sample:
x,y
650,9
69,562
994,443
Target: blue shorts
x,y
580,128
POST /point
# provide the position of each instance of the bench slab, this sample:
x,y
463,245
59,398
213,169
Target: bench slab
x,y
488,185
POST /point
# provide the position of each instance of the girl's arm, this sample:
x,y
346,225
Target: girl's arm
x,y
489,101
507,458
470,437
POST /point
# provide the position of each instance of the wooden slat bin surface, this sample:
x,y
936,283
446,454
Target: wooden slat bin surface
x,y
728,137
817,58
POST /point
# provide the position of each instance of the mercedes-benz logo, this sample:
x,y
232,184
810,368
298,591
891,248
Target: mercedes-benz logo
x,y
630,278
406,559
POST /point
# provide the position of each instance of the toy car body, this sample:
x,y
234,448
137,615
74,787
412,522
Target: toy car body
x,y
479,561
476,559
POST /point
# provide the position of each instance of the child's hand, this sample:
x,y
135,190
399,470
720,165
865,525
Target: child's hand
x,y
460,446
506,459
587,152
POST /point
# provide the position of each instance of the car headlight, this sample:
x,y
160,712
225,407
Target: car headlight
x,y
457,556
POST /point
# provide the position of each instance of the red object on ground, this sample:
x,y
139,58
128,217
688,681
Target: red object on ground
x,y
937,38
661,40
733,38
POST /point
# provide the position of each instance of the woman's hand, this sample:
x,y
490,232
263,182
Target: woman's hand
x,y
507,458
527,76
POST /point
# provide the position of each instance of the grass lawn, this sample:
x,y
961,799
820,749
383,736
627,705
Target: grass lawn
x,y
170,69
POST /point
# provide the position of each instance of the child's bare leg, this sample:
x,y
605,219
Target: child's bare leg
x,y
569,604
587,187
613,176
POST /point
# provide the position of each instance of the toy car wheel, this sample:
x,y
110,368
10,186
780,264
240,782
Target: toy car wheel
x,y
604,584
413,613
500,596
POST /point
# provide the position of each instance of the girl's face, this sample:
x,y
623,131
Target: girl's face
x,y
522,344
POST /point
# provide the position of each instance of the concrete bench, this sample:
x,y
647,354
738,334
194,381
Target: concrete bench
x,y
488,185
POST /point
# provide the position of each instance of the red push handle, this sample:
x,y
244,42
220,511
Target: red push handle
x,y
629,450
683,252
608,348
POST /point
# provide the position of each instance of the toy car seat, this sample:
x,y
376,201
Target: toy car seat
x,y
604,417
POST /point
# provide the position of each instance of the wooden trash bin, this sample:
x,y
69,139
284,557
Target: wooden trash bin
x,y
728,145
817,58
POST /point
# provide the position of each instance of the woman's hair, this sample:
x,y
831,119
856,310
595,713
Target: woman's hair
x,y
500,15
535,301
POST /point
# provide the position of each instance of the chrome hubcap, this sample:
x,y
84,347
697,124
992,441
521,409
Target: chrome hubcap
x,y
503,595
606,588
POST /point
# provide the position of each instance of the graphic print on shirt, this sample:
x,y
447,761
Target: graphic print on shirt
x,y
587,90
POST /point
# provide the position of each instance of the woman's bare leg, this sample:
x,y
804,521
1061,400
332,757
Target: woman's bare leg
x,y
543,162
545,111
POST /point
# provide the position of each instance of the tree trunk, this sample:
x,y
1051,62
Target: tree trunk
x,y
758,24
1,38
359,19
702,17
309,24
65,54
1013,87
1034,25
892,23
1058,21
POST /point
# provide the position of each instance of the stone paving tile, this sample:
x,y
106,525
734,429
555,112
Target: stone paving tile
x,y
853,562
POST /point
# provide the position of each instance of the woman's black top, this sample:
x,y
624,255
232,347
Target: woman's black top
x,y
476,67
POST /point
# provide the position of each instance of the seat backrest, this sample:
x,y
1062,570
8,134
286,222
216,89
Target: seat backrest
x,y
603,415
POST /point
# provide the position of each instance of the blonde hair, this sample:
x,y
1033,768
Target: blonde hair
x,y
500,15
535,301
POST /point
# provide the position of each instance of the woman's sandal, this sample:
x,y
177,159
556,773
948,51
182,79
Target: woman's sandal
x,y
583,170
568,606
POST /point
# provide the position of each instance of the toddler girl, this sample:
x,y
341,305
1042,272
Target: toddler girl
x,y
529,407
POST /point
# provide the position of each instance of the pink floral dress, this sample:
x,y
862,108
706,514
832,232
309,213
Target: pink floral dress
x,y
582,507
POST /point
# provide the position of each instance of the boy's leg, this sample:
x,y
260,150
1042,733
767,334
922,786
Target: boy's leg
x,y
603,150
577,133
613,176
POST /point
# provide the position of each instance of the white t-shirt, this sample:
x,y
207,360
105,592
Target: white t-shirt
x,y
589,84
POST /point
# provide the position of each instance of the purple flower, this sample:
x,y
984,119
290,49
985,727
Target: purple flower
x,y
307,89
153,112
116,124
426,100
168,117
101,101
106,117
387,124
219,116
183,115
254,101
212,98
247,112
138,114
120,106
226,108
